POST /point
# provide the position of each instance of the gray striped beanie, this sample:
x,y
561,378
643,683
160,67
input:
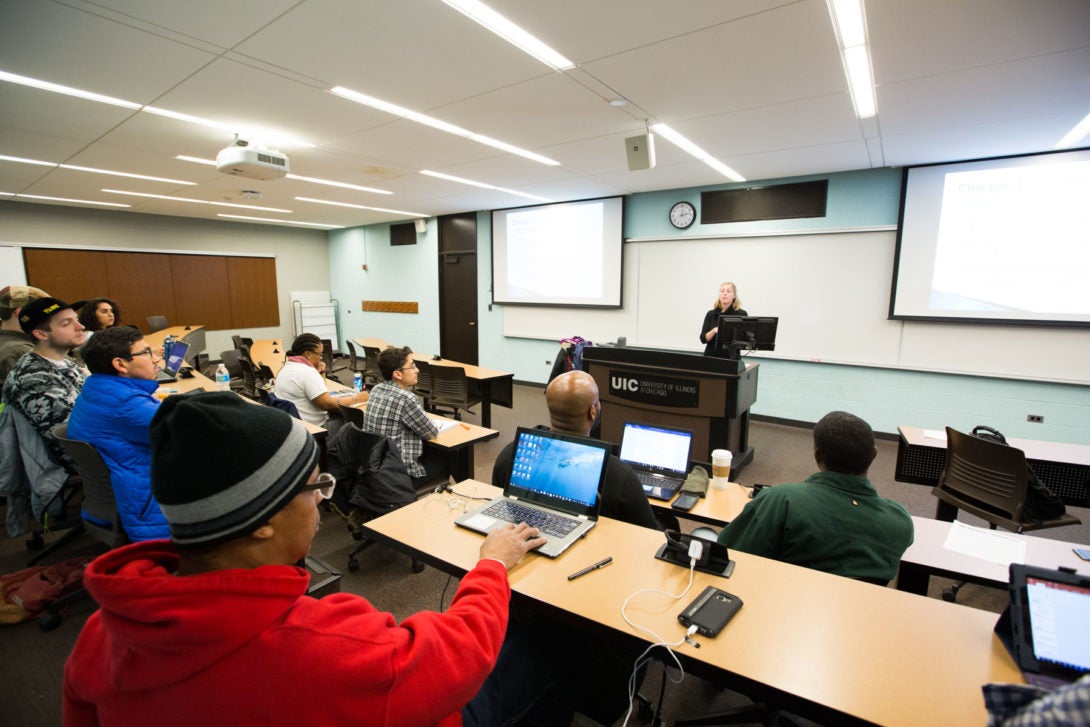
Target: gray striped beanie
x,y
221,467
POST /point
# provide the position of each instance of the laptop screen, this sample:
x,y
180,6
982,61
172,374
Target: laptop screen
x,y
1049,619
557,469
657,448
176,358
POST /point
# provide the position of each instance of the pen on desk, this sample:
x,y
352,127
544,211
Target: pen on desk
x,y
589,568
465,426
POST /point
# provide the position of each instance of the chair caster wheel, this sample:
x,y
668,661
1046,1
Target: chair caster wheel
x,y
357,535
418,566
353,565
35,542
49,621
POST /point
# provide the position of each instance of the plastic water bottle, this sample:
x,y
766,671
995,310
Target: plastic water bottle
x,y
223,378
357,382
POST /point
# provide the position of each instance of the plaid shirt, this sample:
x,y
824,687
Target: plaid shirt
x,y
397,414
1019,705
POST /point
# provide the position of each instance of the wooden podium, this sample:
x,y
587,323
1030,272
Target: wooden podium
x,y
709,396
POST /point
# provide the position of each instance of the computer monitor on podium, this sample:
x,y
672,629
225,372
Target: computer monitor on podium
x,y
745,333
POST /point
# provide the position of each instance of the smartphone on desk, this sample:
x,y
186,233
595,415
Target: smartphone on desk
x,y
1083,553
710,611
755,490
685,501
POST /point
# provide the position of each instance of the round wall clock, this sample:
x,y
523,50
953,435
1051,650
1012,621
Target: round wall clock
x,y
682,215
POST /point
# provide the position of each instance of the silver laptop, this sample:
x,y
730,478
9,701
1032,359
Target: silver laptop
x,y
659,456
555,484
175,361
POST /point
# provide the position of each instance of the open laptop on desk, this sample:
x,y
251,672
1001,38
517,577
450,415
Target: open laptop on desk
x,y
659,456
555,484
1050,630
175,361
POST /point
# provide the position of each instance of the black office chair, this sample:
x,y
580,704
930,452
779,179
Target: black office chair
x,y
355,363
157,323
371,481
424,383
330,361
98,502
232,362
252,386
371,372
450,388
352,415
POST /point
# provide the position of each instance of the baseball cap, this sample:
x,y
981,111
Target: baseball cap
x,y
16,296
40,310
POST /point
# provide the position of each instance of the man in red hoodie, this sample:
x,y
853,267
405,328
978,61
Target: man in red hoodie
x,y
214,627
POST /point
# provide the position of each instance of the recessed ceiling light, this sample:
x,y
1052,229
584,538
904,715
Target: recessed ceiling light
x,y
850,25
313,180
94,170
1076,134
66,90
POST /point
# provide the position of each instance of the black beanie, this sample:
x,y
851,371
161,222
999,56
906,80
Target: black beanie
x,y
221,467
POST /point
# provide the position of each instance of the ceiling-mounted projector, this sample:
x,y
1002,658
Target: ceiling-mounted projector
x,y
244,160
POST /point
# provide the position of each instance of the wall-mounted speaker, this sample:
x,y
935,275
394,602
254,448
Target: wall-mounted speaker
x,y
421,226
640,151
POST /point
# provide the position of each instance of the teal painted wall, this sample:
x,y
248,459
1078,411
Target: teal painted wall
x,y
793,390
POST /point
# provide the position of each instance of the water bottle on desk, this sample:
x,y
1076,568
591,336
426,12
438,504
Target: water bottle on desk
x,y
168,346
223,378
357,382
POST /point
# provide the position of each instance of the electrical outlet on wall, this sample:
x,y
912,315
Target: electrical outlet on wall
x,y
1035,419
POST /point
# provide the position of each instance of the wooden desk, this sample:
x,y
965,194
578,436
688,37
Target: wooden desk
x,y
269,351
193,335
927,557
1064,468
716,508
490,385
837,650
456,441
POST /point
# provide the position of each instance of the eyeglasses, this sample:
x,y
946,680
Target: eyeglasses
x,y
410,367
146,352
324,485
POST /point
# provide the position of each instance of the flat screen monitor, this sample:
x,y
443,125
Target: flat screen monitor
x,y
745,333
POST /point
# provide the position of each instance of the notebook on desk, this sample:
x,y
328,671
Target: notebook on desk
x,y
175,361
1049,628
555,484
659,456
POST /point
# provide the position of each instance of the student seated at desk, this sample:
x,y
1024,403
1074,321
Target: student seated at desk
x,y
214,627
574,407
835,521
300,381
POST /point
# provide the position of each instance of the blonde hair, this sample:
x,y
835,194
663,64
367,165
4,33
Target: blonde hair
x,y
737,301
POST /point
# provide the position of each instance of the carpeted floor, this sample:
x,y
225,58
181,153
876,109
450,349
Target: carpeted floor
x,y
32,663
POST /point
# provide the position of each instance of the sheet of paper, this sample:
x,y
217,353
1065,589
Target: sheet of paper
x,y
935,434
986,544
443,424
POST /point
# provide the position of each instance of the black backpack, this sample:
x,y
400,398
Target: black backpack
x,y
1041,502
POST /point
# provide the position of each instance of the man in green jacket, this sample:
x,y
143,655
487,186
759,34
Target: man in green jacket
x,y
835,521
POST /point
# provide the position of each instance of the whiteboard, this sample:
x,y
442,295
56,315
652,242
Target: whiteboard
x,y
11,263
831,294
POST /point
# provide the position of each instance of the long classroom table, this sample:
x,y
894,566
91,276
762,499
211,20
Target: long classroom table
x,y
490,385
833,649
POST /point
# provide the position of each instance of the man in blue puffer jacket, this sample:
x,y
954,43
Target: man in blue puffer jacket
x,y
113,412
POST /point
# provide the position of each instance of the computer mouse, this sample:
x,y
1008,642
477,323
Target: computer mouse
x,y
436,357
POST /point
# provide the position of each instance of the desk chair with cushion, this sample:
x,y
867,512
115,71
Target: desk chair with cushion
x,y
100,517
371,372
157,323
988,480
450,388
371,481
356,364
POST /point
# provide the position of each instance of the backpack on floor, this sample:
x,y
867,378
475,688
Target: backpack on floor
x,y
26,593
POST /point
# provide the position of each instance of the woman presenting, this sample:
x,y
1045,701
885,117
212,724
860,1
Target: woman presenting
x,y
726,304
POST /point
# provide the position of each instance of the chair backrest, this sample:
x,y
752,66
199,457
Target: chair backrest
x,y
327,354
98,493
157,323
249,378
370,365
236,340
986,475
232,360
449,384
353,358
424,378
352,415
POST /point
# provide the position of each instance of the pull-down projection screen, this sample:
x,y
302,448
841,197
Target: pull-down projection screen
x,y
559,254
996,241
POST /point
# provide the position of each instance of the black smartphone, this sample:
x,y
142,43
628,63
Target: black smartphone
x,y
1083,553
685,501
755,490
710,611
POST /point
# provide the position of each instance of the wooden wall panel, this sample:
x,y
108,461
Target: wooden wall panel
x,y
255,302
142,284
70,275
201,291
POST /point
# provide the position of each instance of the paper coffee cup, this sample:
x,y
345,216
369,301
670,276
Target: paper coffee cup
x,y
721,460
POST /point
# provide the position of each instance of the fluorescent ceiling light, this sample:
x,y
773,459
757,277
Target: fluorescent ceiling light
x,y
279,222
196,160
65,199
850,24
21,160
196,201
390,108
94,170
250,134
66,90
513,34
695,151
360,207
482,185
1075,135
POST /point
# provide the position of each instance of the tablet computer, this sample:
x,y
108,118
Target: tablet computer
x,y
1050,630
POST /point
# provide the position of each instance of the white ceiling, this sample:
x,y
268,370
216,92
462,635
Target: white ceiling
x,y
757,83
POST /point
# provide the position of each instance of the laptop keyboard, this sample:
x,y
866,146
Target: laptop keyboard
x,y
514,512
648,480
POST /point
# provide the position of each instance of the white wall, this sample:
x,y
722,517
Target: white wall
x,y
302,256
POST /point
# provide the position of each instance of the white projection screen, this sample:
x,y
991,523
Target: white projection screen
x,y
567,254
996,241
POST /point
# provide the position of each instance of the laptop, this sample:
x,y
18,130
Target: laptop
x,y
659,456
175,361
1050,630
555,484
